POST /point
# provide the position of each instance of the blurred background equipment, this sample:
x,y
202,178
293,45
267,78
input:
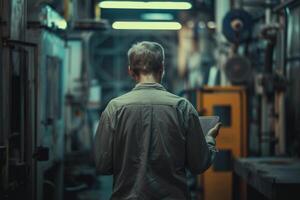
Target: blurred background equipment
x,y
230,104
237,28
62,61
238,69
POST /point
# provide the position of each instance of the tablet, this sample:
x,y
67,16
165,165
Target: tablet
x,y
208,122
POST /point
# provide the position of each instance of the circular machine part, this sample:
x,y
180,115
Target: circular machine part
x,y
237,26
238,69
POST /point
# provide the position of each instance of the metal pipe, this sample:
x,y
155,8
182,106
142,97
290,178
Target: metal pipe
x,y
285,4
279,8
285,36
268,13
267,98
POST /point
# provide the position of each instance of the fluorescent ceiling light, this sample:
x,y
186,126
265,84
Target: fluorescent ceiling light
x,y
138,25
157,16
168,5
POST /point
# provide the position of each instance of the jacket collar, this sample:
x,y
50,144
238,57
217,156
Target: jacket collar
x,y
141,86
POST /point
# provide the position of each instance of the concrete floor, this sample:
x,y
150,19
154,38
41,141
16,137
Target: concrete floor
x,y
102,191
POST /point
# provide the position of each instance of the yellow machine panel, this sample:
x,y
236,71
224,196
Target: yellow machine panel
x,y
230,104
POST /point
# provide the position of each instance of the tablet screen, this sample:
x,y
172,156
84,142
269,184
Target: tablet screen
x,y
208,122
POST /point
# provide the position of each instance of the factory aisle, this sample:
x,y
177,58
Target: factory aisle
x,y
63,63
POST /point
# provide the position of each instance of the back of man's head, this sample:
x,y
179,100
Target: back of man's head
x,y
146,58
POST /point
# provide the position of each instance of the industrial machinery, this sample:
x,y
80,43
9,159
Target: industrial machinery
x,y
237,28
230,104
58,70
273,174
33,64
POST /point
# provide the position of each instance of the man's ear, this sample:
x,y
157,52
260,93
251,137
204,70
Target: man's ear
x,y
130,72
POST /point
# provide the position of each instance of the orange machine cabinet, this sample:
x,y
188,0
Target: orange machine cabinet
x,y
230,104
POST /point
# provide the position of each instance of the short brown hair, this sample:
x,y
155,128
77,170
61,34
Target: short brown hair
x,y
146,57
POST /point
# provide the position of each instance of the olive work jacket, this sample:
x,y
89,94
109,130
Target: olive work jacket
x,y
146,139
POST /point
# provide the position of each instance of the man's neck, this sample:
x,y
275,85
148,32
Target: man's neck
x,y
147,78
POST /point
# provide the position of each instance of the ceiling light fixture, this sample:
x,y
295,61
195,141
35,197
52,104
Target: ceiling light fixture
x,y
159,5
157,16
139,25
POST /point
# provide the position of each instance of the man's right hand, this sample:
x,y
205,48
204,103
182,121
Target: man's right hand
x,y
214,132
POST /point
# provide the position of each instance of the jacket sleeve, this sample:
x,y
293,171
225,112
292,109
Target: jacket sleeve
x,y
200,150
103,145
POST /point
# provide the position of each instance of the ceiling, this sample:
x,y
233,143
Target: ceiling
x,y
203,6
